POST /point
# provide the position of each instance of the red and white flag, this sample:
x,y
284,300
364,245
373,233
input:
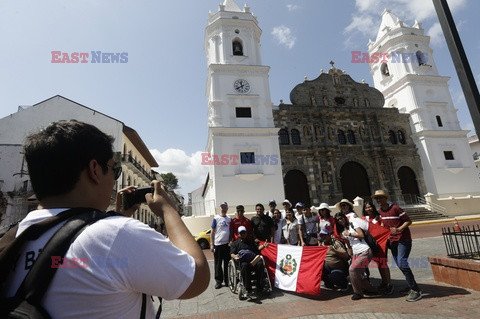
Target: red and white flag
x,y
295,268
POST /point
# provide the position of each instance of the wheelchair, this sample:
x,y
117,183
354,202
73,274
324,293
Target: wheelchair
x,y
235,280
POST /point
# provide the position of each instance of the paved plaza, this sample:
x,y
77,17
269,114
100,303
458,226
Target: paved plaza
x,y
439,300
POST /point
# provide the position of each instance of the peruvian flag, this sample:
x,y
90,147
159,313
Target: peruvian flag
x,y
295,268
381,235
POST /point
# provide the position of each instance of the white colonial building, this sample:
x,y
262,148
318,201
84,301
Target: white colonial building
x,y
15,187
409,80
242,147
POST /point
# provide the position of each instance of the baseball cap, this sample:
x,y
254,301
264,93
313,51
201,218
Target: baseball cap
x,y
241,228
272,201
224,204
299,204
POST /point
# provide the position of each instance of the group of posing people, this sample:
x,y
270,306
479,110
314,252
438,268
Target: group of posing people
x,y
348,254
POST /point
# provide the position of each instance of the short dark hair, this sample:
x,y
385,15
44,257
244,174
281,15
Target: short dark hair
x,y
58,153
240,207
261,205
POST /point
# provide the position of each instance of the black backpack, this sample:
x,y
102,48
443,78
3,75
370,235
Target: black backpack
x,y
26,302
370,240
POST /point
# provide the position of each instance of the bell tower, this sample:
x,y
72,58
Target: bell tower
x,y
409,80
242,149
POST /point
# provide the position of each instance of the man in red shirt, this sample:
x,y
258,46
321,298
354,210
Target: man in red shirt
x,y
400,241
238,221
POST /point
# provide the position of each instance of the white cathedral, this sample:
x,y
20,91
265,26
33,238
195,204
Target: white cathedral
x,y
243,142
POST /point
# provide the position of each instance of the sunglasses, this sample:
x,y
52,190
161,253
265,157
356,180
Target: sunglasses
x,y
117,171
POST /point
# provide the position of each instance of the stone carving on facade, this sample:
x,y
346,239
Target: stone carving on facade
x,y
355,102
306,131
367,103
319,132
363,133
325,100
331,133
326,177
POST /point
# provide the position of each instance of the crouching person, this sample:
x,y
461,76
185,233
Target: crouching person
x,y
335,267
245,251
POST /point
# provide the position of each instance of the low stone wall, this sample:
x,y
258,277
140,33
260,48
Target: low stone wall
x,y
196,224
458,205
457,272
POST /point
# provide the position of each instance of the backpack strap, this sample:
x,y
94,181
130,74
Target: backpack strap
x,y
41,274
10,245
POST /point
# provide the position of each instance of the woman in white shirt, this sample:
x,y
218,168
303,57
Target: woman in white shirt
x,y
359,250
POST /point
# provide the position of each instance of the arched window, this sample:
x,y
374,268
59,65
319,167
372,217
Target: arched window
x,y
283,137
351,137
439,121
295,137
384,69
392,137
401,137
341,137
421,58
237,47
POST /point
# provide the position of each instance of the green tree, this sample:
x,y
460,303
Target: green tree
x,y
170,180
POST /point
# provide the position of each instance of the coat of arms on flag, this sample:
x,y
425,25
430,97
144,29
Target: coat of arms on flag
x,y
295,268
288,265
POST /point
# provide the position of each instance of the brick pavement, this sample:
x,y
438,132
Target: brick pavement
x,y
439,300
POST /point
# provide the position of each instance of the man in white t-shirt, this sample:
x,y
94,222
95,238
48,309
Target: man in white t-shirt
x,y
219,239
70,165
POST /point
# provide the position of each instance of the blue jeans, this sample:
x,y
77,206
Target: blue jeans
x,y
335,277
400,252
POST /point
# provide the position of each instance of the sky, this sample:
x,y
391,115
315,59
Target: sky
x,y
160,90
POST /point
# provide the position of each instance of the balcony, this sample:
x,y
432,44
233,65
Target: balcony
x,y
137,168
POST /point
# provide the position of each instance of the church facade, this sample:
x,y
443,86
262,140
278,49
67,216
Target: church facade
x,y
337,141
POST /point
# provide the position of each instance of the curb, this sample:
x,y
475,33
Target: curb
x,y
446,220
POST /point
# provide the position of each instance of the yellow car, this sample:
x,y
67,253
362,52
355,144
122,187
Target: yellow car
x,y
203,238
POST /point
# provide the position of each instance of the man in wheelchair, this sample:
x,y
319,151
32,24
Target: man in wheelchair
x,y
245,251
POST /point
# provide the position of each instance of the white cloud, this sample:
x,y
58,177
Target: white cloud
x,y
366,19
189,170
364,24
292,7
436,33
284,36
367,5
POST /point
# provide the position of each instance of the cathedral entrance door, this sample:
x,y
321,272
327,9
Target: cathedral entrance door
x,y
296,187
354,180
408,184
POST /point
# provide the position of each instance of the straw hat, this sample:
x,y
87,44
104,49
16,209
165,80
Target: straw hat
x,y
380,193
337,205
